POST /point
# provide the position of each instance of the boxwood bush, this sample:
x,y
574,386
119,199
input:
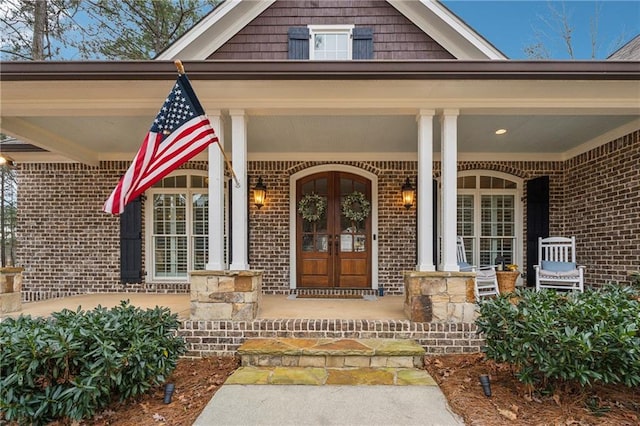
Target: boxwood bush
x,y
73,364
551,337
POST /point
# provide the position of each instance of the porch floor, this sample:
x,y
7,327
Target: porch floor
x,y
272,306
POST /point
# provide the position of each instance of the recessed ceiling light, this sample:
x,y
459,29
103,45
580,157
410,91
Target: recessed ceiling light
x,y
501,131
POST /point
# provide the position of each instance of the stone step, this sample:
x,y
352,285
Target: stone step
x,y
332,353
330,376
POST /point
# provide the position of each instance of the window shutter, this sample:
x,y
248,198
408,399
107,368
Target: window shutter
x,y
298,43
131,243
537,221
362,43
435,222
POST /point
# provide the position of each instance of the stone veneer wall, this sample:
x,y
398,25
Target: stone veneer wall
x,y
212,338
602,203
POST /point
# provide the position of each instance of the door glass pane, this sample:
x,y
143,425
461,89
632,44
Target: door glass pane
x,y
314,232
360,242
322,243
307,242
346,242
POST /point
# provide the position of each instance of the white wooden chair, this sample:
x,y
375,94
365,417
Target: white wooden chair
x,y
558,269
486,280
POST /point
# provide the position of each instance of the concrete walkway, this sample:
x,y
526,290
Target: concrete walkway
x,y
298,405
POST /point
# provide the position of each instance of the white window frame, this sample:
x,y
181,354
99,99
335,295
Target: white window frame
x,y
330,29
477,210
148,217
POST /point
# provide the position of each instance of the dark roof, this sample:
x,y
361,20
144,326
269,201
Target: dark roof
x,y
10,144
317,70
628,52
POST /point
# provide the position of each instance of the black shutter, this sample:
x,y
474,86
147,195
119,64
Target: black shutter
x,y
435,222
131,243
537,221
362,43
298,43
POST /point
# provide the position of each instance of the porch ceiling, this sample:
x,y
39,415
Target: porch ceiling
x,y
93,120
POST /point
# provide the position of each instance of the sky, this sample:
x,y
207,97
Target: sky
x,y
510,25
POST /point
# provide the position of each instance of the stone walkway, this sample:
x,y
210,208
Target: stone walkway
x,y
286,381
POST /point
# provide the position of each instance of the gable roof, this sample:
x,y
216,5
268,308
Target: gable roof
x,y
628,52
214,30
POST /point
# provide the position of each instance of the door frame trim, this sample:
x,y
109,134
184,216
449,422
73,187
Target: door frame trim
x,y
292,215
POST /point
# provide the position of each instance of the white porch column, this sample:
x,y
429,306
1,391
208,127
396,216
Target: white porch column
x,y
425,190
449,142
215,262
240,221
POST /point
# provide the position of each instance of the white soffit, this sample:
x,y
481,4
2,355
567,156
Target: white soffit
x,y
447,29
214,30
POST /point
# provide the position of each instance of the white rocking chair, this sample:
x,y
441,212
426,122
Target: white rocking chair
x,y
557,269
486,280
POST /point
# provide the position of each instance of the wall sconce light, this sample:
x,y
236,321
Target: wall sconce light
x,y
259,193
408,194
8,161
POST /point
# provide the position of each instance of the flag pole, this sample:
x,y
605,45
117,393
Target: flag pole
x,y
180,68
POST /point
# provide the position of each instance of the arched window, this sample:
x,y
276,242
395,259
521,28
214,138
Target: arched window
x,y
177,211
490,217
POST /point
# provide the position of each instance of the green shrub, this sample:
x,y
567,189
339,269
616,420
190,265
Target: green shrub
x,y
550,337
75,363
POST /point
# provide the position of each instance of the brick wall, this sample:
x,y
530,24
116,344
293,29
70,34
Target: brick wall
x,y
602,209
394,36
67,245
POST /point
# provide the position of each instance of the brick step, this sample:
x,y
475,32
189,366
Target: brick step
x,y
332,353
330,376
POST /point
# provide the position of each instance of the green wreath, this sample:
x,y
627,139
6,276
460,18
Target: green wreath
x,y
312,207
356,207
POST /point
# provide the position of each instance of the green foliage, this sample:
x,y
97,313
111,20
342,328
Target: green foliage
x,y
634,276
75,363
550,337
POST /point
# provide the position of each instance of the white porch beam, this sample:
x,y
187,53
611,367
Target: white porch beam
x,y
240,225
28,132
216,198
425,190
449,128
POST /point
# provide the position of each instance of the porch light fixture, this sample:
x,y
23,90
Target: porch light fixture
x,y
408,194
4,160
259,193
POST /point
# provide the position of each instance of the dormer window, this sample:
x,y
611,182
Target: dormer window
x,y
330,42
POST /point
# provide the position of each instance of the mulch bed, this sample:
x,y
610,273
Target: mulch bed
x,y
512,403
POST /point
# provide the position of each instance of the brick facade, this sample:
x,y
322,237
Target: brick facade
x,y
207,338
602,209
394,36
67,245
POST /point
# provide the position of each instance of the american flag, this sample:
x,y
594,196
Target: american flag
x,y
180,131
